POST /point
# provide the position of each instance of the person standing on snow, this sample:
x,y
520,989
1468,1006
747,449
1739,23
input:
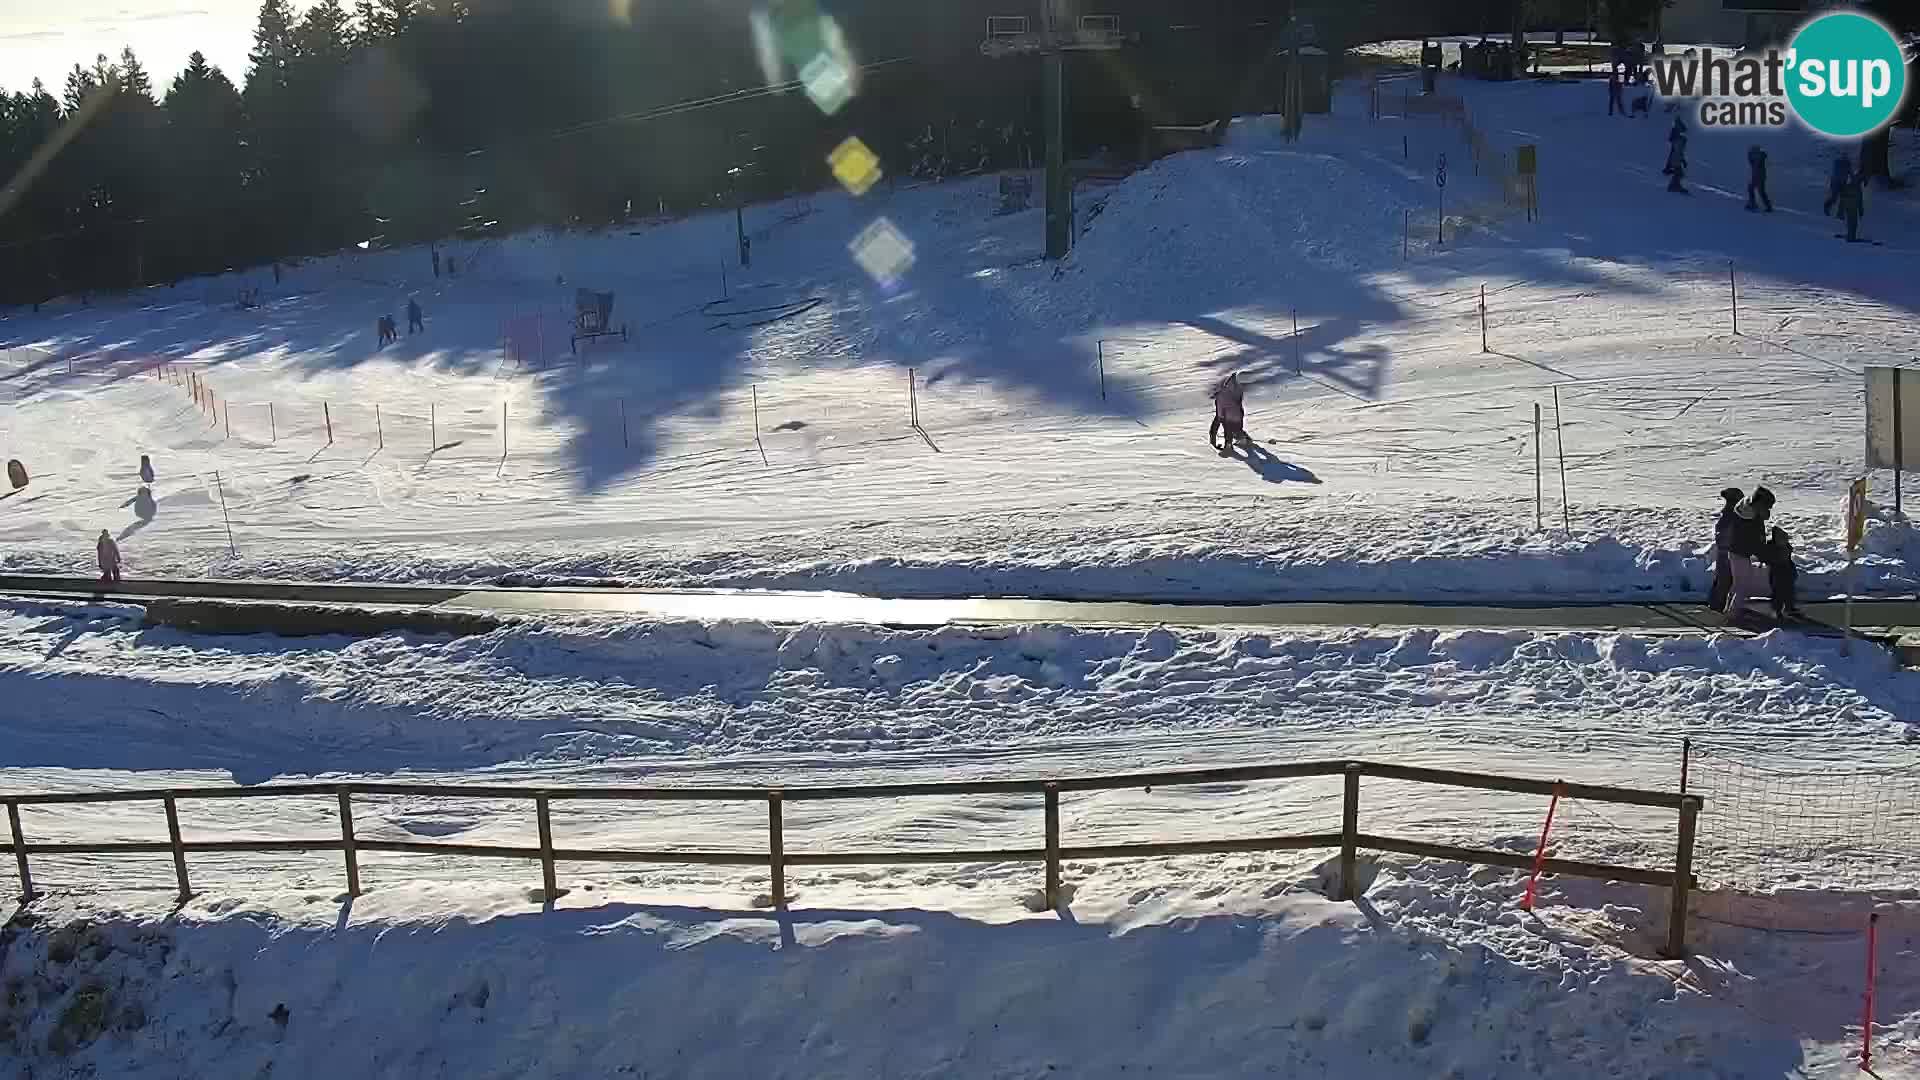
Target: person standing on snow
x,y
1783,576
1677,161
1852,203
1841,175
415,323
1747,530
1614,91
1229,412
1757,178
1676,134
109,555
1722,561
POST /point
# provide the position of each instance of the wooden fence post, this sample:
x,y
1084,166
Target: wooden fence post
x,y
327,411
1053,846
347,846
179,851
776,850
542,812
20,853
1350,834
1682,878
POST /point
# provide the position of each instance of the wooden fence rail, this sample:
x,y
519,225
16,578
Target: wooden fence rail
x,y
1349,840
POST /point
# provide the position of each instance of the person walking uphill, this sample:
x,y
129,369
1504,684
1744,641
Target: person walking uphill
x,y
109,554
1229,412
1757,179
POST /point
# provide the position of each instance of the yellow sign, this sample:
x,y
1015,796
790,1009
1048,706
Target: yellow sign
x,y
1856,513
1529,160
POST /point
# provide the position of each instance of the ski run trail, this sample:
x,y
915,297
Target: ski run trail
x,y
758,431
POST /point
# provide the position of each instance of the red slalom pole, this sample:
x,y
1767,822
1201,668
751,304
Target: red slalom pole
x,y
1540,852
1866,1028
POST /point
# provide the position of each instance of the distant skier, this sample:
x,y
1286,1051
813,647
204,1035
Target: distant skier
x,y
1851,204
436,262
1757,179
385,328
1836,181
146,469
1229,413
1616,90
1675,134
415,323
1677,163
109,554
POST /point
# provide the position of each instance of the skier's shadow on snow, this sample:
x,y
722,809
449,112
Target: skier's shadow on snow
x,y
1273,470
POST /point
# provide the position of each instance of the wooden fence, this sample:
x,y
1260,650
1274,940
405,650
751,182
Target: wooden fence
x,y
1052,852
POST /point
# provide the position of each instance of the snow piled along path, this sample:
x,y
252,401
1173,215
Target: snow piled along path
x,y
1064,406
1433,975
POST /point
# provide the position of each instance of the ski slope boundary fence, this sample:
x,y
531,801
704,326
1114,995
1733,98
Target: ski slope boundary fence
x,y
1052,852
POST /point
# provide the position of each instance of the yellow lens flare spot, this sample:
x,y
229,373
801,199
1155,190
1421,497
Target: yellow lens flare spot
x,y
883,251
856,167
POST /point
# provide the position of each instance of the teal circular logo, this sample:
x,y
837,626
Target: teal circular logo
x,y
1847,76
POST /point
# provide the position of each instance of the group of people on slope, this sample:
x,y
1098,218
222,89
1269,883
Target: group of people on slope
x,y
1741,532
388,333
1846,188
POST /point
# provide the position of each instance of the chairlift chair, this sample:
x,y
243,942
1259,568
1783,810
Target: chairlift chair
x,y
593,318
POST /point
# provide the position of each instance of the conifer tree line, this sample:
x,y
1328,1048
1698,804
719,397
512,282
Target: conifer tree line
x,y
397,121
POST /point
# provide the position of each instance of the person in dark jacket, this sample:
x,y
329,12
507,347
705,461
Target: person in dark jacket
x,y
1722,565
1677,163
1782,576
1852,204
1842,174
1615,93
416,322
1677,134
1747,532
1757,179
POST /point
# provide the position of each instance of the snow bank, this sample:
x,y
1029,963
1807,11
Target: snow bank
x,y
1436,975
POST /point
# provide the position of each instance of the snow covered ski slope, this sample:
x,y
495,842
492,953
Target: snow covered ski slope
x,y
1061,452
1063,408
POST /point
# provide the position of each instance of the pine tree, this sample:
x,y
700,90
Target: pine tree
x,y
272,47
133,75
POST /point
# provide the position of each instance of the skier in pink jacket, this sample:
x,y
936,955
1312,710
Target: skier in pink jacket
x,y
1229,412
109,553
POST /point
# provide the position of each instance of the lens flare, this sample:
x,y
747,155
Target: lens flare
x,y
855,166
883,251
